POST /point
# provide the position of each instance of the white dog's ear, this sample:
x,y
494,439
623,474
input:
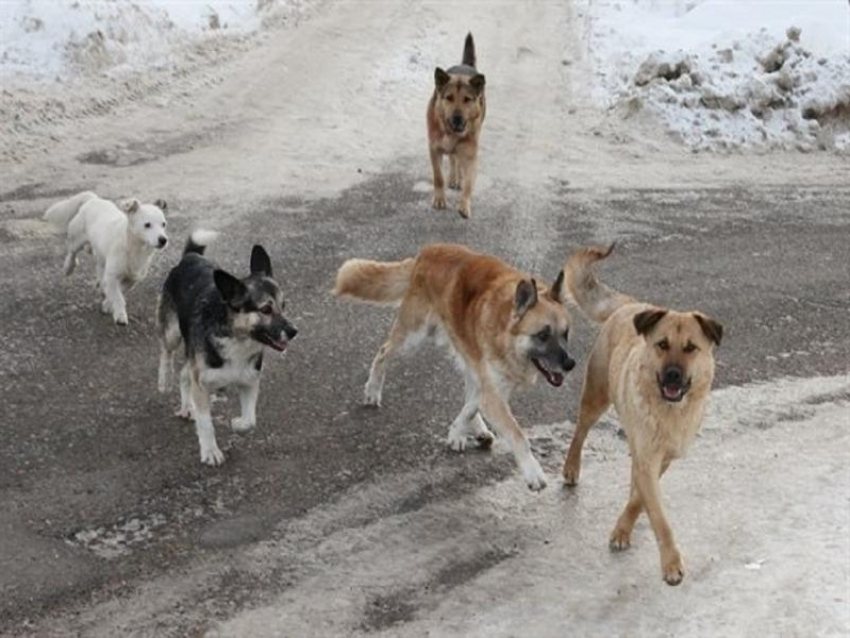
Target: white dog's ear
x,y
162,205
130,206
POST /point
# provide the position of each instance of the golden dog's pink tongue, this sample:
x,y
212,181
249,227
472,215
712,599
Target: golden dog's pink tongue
x,y
671,392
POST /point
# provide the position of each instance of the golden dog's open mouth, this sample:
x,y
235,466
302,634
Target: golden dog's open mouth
x,y
554,378
673,392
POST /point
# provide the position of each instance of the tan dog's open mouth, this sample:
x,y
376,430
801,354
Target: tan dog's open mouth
x,y
554,378
673,392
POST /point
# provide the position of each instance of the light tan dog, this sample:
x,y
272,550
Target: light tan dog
x,y
455,116
656,366
504,330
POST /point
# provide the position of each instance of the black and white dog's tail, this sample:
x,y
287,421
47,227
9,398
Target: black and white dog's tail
x,y
61,213
469,51
198,241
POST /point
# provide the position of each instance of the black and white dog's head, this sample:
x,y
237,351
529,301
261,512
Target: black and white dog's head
x,y
256,303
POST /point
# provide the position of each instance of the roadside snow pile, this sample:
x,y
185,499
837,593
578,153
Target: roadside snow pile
x,y
723,76
51,39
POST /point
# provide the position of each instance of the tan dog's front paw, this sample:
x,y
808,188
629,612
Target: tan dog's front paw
x,y
571,473
465,208
454,182
439,200
620,540
673,570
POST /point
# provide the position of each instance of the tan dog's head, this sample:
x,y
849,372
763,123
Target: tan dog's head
x,y
541,327
680,350
458,98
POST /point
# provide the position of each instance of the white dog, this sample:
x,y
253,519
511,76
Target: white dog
x,y
123,241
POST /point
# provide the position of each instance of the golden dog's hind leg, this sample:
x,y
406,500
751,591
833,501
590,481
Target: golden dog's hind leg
x,y
594,402
647,478
408,321
622,534
439,199
469,421
454,172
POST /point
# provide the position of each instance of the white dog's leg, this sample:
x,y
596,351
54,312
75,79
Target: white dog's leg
x,y
75,245
115,298
185,411
210,454
248,395
98,274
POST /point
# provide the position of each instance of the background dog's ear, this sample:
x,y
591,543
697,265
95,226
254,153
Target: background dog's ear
x,y
232,290
441,78
161,204
525,297
260,262
130,206
645,321
557,289
712,329
477,82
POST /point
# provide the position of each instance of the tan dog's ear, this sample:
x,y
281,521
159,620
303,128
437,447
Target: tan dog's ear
x,y
441,78
477,82
525,297
645,321
556,292
130,206
712,329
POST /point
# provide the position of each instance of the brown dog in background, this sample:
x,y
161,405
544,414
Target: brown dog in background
x,y
656,366
455,116
503,328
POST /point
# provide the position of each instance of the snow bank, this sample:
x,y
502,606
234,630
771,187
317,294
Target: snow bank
x,y
47,39
724,75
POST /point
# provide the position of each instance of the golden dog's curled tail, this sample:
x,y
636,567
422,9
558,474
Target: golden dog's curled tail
x,y
383,282
595,299
469,51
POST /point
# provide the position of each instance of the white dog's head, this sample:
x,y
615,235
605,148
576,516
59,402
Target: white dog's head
x,y
147,221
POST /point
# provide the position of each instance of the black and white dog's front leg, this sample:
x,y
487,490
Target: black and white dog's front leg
x,y
210,454
248,395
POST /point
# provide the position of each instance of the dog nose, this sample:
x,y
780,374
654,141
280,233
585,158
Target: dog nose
x,y
673,376
457,121
567,362
290,331
163,241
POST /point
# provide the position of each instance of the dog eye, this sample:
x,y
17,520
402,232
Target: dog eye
x,y
689,348
147,225
266,310
164,224
450,98
566,334
467,100
664,345
544,334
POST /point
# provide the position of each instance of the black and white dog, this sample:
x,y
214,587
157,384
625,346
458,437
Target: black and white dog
x,y
225,323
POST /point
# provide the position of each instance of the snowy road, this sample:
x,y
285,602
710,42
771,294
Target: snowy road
x,y
330,520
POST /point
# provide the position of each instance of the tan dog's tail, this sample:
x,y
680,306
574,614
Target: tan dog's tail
x,y
595,299
376,281
469,51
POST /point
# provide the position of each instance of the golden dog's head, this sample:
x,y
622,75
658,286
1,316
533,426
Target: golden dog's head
x,y
458,98
680,350
541,328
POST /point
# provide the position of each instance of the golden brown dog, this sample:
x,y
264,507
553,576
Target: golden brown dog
x,y
455,115
503,328
656,366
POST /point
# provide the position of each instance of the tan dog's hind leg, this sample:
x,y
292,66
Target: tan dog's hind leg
x,y
408,321
439,200
467,166
469,422
594,402
454,173
499,415
647,476
622,534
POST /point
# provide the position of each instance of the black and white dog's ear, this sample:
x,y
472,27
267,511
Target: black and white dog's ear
x,y
441,78
260,262
162,205
232,291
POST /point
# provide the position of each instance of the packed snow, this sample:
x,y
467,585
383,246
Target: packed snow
x,y
723,75
55,39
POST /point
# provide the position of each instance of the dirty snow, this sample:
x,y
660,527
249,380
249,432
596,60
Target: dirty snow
x,y
723,75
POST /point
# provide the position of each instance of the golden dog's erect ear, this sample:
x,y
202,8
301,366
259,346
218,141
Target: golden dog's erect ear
x,y
525,297
645,321
712,329
556,292
477,82
441,78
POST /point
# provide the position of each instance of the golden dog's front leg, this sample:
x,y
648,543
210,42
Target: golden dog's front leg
x,y
454,172
467,165
646,476
439,199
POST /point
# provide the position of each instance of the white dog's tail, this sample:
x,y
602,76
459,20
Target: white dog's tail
x,y
61,213
596,300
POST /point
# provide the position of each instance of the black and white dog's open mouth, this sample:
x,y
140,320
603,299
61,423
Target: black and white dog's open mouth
x,y
276,344
554,378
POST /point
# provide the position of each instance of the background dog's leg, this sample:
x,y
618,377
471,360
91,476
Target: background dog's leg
x,y
98,277
185,411
622,534
499,415
594,402
210,454
454,173
439,200
647,478
248,400
117,303
75,245
469,422
408,321
467,176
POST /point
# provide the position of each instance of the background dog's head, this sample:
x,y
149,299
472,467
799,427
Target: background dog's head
x,y
679,350
256,303
541,325
458,100
147,221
